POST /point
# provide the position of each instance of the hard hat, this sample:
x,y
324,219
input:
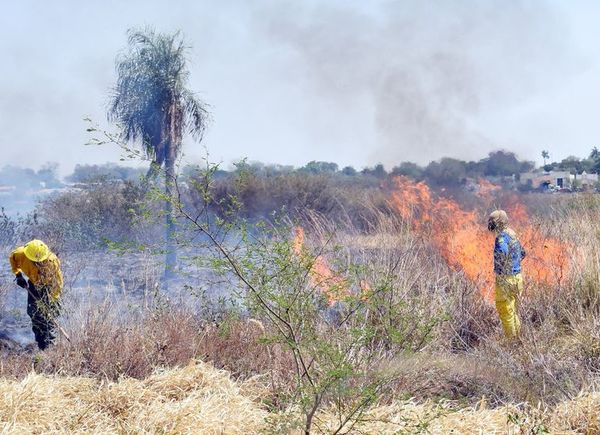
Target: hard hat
x,y
36,250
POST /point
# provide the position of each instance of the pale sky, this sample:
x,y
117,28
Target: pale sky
x,y
289,81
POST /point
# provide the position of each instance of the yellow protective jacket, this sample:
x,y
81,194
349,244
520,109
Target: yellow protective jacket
x,y
43,274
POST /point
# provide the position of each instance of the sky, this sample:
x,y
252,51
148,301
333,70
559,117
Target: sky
x,y
353,82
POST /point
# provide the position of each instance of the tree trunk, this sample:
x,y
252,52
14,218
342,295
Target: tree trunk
x,y
173,143
171,246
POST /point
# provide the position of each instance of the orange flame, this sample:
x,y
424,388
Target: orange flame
x,y
464,242
548,259
321,277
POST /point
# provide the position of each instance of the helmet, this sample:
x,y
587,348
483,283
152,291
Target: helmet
x,y
36,250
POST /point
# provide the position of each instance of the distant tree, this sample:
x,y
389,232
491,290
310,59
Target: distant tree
x,y
545,156
446,172
19,177
378,171
502,163
319,167
408,169
48,174
153,106
526,166
594,160
349,170
575,165
475,169
107,171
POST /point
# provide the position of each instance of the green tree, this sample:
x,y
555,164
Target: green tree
x,y
378,171
575,165
595,160
545,156
338,326
408,169
504,163
315,167
349,170
446,172
48,174
153,107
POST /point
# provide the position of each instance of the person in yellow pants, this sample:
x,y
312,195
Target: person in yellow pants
x,y
508,254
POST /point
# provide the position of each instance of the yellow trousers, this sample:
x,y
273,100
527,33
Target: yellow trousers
x,y
508,291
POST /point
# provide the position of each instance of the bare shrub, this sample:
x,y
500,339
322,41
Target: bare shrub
x,y
87,219
110,342
240,347
354,199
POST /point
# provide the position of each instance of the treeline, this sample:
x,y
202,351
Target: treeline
x,y
261,188
111,202
104,172
574,164
47,176
26,178
444,172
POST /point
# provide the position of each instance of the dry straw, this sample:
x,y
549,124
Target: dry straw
x,y
194,399
201,399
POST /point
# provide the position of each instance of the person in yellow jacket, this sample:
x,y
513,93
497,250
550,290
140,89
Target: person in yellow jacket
x,y
508,254
42,267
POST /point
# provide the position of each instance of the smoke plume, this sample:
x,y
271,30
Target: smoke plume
x,y
427,69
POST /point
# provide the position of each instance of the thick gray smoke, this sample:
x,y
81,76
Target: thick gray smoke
x,y
426,71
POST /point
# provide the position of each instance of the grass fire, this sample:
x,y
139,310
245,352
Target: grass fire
x,y
462,239
299,218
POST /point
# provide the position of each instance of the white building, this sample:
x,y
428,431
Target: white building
x,y
557,179
585,179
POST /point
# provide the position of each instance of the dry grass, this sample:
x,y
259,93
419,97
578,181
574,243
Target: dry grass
x,y
193,399
428,417
201,399
109,343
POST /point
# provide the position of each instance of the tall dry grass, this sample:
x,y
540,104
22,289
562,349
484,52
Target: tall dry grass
x,y
107,341
466,356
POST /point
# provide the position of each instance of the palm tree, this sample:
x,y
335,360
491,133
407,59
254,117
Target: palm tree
x,y
595,154
545,156
154,108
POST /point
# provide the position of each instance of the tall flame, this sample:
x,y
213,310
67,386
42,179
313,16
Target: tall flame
x,y
464,242
320,275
